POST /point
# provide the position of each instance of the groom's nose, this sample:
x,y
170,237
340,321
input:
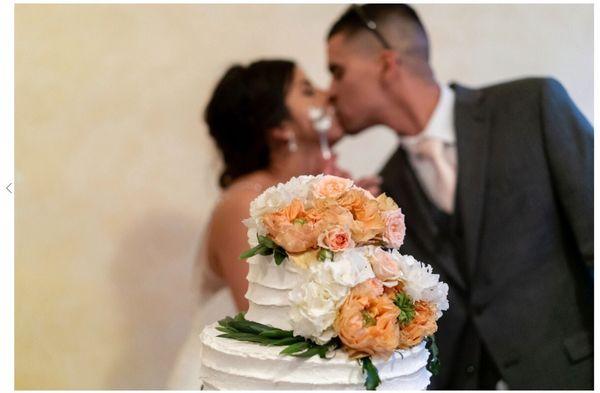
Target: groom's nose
x,y
330,97
322,96
331,91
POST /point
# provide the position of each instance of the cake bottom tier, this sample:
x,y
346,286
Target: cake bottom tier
x,y
228,364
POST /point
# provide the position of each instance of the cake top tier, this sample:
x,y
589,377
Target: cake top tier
x,y
302,213
354,284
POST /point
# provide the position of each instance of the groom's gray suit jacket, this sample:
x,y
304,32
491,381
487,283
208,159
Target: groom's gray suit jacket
x,y
520,267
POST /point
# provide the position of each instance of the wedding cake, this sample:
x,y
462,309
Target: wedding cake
x,y
333,303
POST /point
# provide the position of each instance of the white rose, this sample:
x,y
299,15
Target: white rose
x,y
300,186
421,284
314,308
279,196
314,303
351,267
385,266
269,201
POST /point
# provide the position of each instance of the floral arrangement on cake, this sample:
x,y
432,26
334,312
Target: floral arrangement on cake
x,y
358,292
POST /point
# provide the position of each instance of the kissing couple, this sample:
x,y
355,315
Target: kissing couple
x,y
496,184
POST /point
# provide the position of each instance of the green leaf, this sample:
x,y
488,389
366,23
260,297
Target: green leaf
x,y
300,221
280,255
241,323
276,333
265,241
433,363
286,341
225,321
310,352
251,252
246,327
242,337
265,251
238,328
407,308
323,352
266,246
295,348
372,376
224,329
240,316
324,254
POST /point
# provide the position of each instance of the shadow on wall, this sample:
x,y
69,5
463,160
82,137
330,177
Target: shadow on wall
x,y
156,291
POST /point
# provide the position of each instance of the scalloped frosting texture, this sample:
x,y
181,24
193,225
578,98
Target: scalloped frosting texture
x,y
234,365
268,288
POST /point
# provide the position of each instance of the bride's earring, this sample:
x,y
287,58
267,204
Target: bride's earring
x,y
292,144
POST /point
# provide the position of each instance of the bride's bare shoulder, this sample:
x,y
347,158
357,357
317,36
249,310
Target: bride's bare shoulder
x,y
253,183
237,197
232,207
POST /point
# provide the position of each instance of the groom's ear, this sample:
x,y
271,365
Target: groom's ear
x,y
390,62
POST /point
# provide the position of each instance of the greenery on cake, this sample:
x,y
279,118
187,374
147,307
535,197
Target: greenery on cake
x,y
371,375
433,363
239,328
266,246
407,308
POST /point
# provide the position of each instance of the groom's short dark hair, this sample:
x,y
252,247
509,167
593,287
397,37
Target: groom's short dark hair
x,y
405,16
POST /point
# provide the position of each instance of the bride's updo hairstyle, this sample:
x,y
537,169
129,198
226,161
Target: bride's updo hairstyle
x,y
247,102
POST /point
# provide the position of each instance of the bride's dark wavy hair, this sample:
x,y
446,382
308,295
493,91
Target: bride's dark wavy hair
x,y
246,103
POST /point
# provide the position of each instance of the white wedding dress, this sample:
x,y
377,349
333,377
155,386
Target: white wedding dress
x,y
215,302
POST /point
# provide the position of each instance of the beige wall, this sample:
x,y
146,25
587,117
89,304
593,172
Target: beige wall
x,y
115,174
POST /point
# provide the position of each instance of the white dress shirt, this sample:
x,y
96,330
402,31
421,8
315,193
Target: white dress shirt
x,y
440,127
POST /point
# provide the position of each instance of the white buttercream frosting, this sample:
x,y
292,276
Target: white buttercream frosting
x,y
269,286
233,365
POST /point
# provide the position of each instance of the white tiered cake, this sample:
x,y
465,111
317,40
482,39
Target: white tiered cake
x,y
322,276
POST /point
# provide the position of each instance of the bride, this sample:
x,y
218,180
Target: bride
x,y
263,118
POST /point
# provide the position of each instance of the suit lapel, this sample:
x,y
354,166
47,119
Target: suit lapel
x,y
472,134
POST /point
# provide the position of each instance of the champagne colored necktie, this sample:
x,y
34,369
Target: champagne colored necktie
x,y
432,150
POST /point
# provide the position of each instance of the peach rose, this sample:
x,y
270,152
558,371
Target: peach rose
x,y
292,211
367,323
296,237
384,266
331,187
291,228
336,238
327,212
368,222
395,229
369,288
423,325
352,200
386,203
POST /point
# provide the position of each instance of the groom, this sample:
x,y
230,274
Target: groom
x,y
497,187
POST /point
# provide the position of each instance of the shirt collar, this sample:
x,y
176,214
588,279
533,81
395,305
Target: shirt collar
x,y
440,124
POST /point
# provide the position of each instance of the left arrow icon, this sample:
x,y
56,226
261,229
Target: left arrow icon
x,y
8,188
